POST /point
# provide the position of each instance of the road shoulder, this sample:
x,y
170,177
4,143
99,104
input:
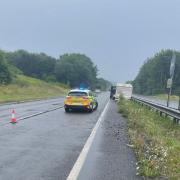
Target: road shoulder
x,y
110,157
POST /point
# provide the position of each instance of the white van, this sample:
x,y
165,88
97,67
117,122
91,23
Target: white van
x,y
123,89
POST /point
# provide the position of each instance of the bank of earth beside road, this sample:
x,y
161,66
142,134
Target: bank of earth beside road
x,y
25,88
155,139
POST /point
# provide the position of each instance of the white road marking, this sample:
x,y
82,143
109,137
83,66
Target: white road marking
x,y
82,157
33,115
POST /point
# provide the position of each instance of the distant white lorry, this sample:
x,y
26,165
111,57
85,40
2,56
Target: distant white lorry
x,y
123,89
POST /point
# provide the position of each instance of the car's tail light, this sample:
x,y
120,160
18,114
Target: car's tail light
x,y
84,97
68,97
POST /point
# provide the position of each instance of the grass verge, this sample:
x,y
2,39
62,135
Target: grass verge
x,y
164,97
26,88
155,139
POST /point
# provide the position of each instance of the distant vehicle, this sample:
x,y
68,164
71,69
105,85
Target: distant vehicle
x,y
78,99
112,92
122,89
97,91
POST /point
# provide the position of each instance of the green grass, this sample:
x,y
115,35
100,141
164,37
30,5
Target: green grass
x,y
156,141
26,88
165,96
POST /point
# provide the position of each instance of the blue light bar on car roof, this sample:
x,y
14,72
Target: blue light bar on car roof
x,y
82,87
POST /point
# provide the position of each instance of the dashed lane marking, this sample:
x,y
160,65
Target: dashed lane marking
x,y
33,115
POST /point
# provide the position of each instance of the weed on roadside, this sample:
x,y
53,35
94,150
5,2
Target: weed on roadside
x,y
156,141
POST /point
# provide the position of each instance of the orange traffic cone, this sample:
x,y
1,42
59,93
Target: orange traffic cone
x,y
13,118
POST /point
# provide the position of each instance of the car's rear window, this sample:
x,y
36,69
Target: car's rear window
x,y
77,94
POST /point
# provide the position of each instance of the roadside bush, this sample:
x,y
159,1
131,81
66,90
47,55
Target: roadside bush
x,y
122,108
5,75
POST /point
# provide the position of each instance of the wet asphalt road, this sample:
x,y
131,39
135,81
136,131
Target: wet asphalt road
x,y
27,108
45,147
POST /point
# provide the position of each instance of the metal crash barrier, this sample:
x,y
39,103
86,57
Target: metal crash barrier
x,y
173,113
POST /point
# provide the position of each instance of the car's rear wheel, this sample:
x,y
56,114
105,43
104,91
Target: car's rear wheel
x,y
96,106
91,108
67,110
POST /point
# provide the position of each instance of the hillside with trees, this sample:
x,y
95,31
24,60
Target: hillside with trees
x,y
5,75
69,69
40,66
153,75
76,69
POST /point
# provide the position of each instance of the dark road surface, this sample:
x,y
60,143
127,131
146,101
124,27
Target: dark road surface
x,y
27,109
45,147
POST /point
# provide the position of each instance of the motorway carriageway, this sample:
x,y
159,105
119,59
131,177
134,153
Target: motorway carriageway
x,y
26,109
56,145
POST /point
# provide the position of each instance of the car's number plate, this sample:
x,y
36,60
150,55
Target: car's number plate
x,y
76,103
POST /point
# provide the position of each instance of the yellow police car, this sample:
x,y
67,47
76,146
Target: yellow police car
x,y
78,99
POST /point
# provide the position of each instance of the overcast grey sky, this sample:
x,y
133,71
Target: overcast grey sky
x,y
118,35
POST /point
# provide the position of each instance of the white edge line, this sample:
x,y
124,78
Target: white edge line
x,y
82,157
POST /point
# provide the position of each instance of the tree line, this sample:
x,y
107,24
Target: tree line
x,y
70,69
153,75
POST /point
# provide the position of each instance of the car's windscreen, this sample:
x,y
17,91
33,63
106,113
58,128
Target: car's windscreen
x,y
77,94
